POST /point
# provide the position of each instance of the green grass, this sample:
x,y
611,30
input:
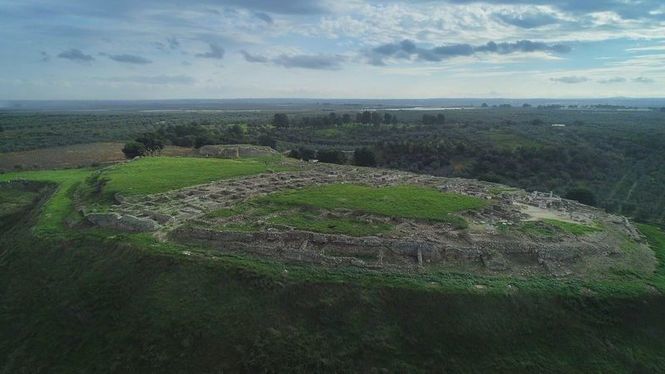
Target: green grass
x,y
103,301
159,174
550,228
223,213
60,206
537,229
309,221
573,228
400,201
13,200
656,239
133,304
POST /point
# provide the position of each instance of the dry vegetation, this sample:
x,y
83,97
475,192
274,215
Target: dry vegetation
x,y
73,156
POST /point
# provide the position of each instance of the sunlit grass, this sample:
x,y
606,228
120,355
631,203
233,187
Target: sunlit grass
x,y
399,201
159,174
310,221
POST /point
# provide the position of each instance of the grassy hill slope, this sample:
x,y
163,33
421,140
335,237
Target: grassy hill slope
x,y
94,301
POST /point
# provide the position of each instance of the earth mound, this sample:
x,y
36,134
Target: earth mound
x,y
334,215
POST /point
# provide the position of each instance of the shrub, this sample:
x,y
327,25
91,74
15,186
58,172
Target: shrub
x,y
331,156
303,153
266,140
364,157
581,195
134,149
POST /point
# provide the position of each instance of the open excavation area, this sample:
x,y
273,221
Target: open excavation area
x,y
346,216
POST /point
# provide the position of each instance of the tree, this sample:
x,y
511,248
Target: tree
x,y
280,120
134,149
376,118
152,144
235,134
331,156
266,140
202,140
303,153
582,195
430,119
364,157
366,117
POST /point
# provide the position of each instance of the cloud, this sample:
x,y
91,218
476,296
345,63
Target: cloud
x,y
625,8
253,58
216,52
318,62
173,43
407,49
155,79
130,59
304,61
527,20
283,7
264,17
612,80
643,80
570,79
75,55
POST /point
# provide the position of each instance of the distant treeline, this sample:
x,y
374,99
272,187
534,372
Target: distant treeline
x,y
615,153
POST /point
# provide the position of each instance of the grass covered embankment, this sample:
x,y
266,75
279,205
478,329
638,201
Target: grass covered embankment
x,y
93,301
100,305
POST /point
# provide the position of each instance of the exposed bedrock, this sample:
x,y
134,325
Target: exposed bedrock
x,y
495,255
122,222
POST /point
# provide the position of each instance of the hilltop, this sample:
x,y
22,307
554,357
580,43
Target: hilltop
x,y
372,218
269,264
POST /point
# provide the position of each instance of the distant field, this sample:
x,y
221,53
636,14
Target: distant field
x,y
72,156
158,174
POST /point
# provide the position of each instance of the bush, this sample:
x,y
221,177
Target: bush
x,y
331,156
280,120
303,153
267,140
581,195
151,143
364,157
202,140
134,149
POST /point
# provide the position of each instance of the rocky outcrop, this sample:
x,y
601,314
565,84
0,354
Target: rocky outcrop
x,y
236,151
122,222
492,255
495,241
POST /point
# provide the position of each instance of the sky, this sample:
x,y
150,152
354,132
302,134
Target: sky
x,y
177,49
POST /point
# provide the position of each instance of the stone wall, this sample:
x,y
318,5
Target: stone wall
x,y
236,151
